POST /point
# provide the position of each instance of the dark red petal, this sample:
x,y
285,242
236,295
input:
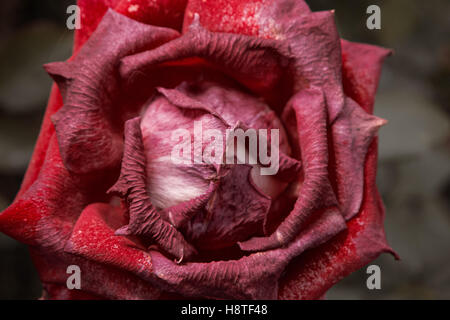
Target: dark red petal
x,y
44,218
257,63
44,215
164,13
230,104
316,195
237,16
252,277
361,67
43,141
231,16
314,43
89,126
92,12
145,220
311,275
289,169
312,37
97,279
235,212
352,133
182,100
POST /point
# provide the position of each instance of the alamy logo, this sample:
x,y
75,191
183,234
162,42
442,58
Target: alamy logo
x,y
235,153
374,20
374,280
74,20
74,280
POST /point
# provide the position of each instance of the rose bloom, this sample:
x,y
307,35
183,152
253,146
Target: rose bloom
x,y
102,193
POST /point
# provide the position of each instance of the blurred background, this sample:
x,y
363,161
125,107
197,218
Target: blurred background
x,y
414,170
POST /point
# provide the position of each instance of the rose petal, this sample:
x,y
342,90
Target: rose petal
x,y
315,47
316,194
311,275
102,219
237,16
361,67
235,212
252,277
89,135
352,133
231,16
98,279
312,37
144,219
43,141
45,213
164,13
222,223
178,215
258,63
92,12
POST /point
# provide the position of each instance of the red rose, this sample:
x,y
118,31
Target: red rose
x,y
102,193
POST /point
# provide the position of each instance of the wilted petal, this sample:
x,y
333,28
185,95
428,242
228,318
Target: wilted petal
x,y
251,277
145,220
311,275
89,126
352,133
106,261
45,213
237,208
316,194
312,37
258,63
361,67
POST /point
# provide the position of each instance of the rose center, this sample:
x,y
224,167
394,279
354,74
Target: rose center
x,y
186,133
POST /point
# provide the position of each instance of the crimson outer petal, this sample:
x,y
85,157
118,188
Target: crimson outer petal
x,y
23,208
310,276
92,12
